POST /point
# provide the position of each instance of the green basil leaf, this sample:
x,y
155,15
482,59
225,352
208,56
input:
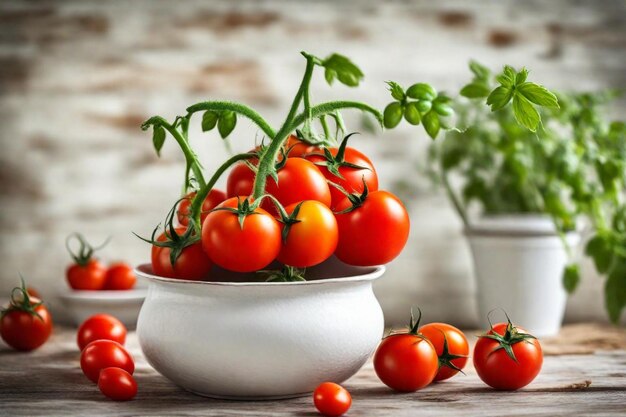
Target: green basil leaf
x,y
507,77
330,76
475,90
392,115
521,76
346,71
443,109
615,291
158,138
226,123
571,277
599,249
397,92
525,113
209,120
421,91
412,113
480,71
499,98
538,94
424,106
431,124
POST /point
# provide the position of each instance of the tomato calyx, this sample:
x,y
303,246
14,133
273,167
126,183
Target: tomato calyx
x,y
286,274
334,162
287,219
244,208
85,251
511,336
21,301
356,199
414,326
446,358
174,241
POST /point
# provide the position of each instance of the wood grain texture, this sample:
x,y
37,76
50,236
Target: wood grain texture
x,y
49,382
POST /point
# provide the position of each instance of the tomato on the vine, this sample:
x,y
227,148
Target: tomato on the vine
x,y
507,357
451,346
26,323
312,238
120,276
332,399
192,263
101,354
86,273
100,326
211,201
374,232
117,384
406,361
298,180
346,167
239,237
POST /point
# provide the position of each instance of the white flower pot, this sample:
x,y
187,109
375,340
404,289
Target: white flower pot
x,y
258,340
519,263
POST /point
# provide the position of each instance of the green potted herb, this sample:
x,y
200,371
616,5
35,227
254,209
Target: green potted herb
x,y
536,170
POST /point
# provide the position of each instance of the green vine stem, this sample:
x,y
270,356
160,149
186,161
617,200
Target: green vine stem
x,y
238,108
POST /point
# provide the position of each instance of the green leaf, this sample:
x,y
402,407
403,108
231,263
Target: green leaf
x,y
507,78
209,120
525,113
538,94
346,71
421,91
521,76
431,124
397,92
571,277
599,249
443,109
424,106
158,138
480,71
226,123
499,98
392,115
475,90
615,291
330,76
412,113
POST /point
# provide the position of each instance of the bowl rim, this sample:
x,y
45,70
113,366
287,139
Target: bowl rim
x,y
114,296
374,273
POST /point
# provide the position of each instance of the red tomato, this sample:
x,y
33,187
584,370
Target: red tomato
x,y
313,239
241,248
332,399
494,365
26,330
298,180
374,233
33,292
406,362
192,264
210,202
120,276
101,354
91,276
100,326
117,384
298,148
451,346
352,180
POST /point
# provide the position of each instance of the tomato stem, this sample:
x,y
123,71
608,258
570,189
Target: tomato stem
x,y
236,108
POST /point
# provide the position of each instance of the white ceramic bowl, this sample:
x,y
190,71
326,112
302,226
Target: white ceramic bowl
x,y
124,305
258,340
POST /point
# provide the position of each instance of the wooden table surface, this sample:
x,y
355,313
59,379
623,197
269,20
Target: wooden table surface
x,y
49,382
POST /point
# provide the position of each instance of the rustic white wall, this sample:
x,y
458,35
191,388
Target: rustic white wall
x,y
78,77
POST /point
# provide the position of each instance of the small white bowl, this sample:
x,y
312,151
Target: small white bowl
x,y
123,304
258,340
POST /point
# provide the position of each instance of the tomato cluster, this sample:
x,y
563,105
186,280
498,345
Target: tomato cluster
x,y
319,201
103,358
88,273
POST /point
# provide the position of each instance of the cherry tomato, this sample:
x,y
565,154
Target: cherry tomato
x,y
192,264
91,276
351,179
33,292
451,346
298,180
101,354
497,368
100,326
374,233
210,202
120,276
332,399
313,239
117,384
26,326
298,148
406,362
239,247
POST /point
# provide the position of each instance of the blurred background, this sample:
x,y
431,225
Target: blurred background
x,y
78,77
